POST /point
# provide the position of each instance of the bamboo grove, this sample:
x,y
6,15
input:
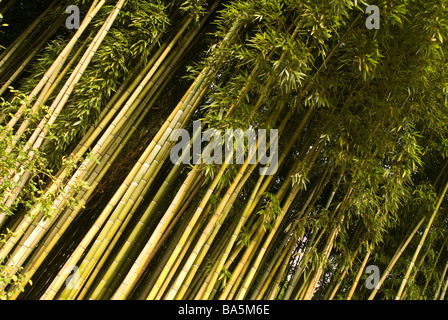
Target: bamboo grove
x,y
92,207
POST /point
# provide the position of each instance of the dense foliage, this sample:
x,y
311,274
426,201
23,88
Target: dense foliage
x,y
92,207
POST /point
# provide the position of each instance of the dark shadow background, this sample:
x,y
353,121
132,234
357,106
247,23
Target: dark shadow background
x,y
19,16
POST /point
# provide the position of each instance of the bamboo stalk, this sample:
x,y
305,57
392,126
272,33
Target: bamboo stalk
x,y
273,270
27,222
436,295
359,274
60,59
147,213
420,245
395,258
88,162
